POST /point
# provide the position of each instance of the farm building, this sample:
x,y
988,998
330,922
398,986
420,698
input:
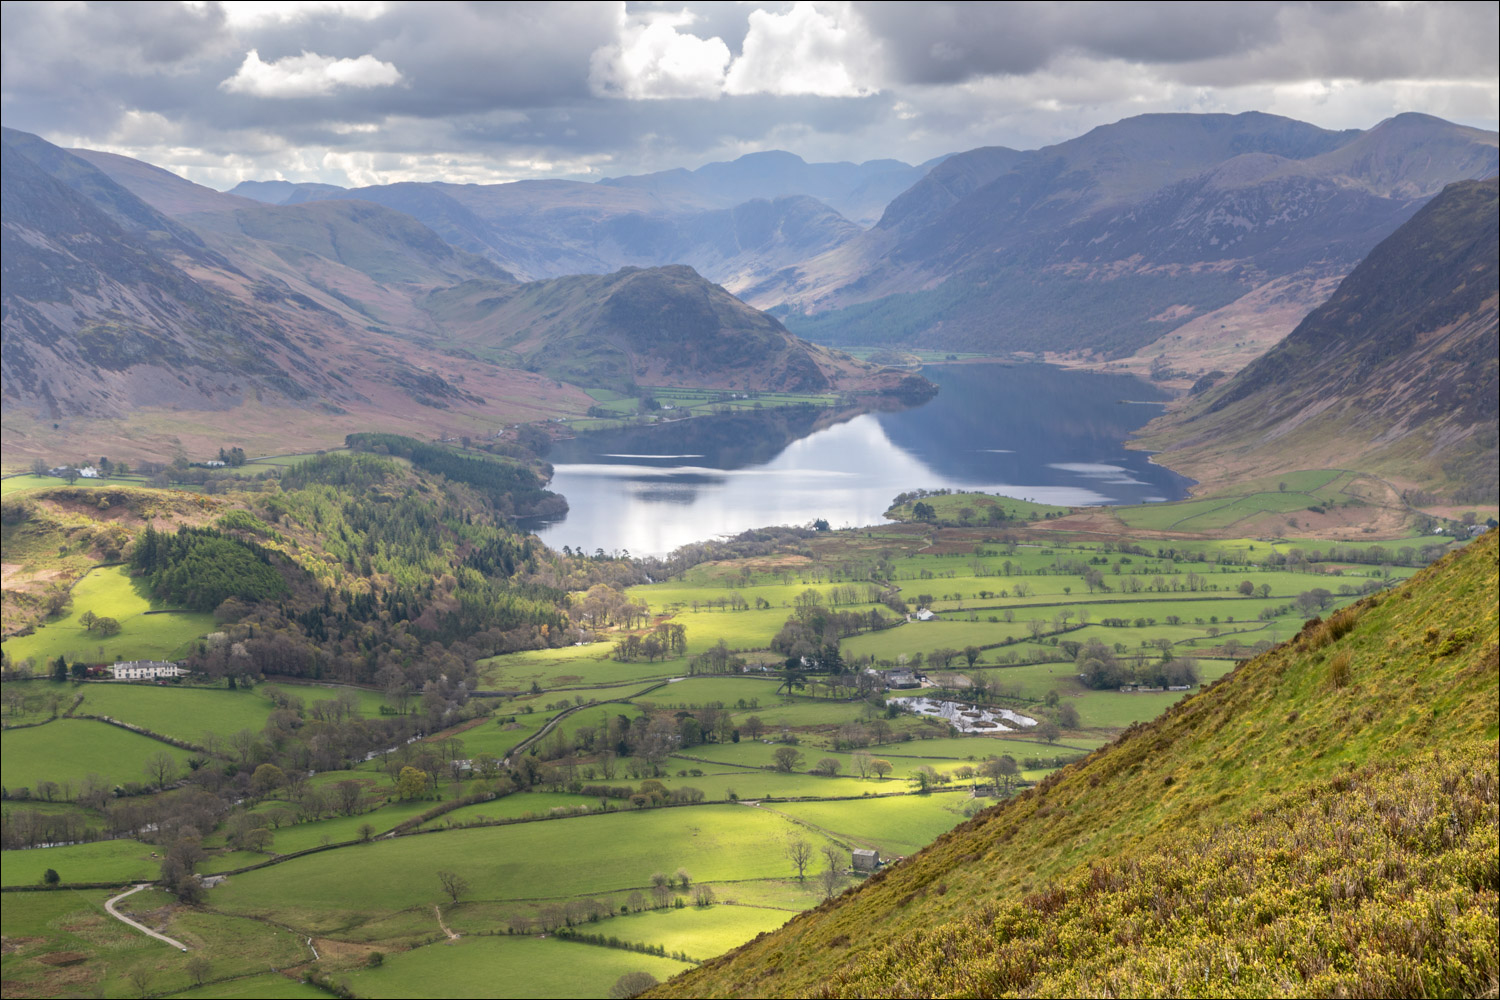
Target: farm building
x,y
866,861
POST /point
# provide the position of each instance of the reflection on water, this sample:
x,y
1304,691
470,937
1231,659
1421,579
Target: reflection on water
x,y
1028,431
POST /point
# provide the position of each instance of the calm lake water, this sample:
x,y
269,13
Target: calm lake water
x,y
1027,431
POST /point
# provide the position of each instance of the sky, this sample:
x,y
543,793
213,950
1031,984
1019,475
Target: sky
x,y
371,93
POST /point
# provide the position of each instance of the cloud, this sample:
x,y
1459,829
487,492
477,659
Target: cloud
x,y
653,60
244,15
805,51
308,75
492,91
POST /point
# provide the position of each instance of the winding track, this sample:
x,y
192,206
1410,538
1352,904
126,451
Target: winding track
x,y
110,906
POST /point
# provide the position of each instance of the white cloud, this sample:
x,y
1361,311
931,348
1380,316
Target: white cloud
x,y
653,60
308,75
243,15
823,53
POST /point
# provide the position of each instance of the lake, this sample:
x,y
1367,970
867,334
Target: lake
x,y
1029,431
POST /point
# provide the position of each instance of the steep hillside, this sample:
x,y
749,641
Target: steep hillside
x,y
1107,243
1396,373
114,307
658,326
1321,822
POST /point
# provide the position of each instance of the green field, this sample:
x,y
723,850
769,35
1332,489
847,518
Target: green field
x,y
1289,493
68,751
505,967
109,592
699,933
105,861
574,666
26,482
894,826
519,862
41,927
265,986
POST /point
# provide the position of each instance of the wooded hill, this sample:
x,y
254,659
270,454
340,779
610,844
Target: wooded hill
x,y
1395,374
1321,822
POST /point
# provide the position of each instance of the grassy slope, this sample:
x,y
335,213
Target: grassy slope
x,y
1277,834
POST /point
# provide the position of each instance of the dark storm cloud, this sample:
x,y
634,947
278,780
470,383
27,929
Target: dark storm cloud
x,y
402,91
75,67
1219,43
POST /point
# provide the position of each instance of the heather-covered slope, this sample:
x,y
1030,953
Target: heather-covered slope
x,y
1395,374
1321,822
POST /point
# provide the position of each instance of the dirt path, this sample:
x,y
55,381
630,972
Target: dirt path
x,y
438,912
110,906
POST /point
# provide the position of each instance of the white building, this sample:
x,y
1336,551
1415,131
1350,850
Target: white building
x,y
146,670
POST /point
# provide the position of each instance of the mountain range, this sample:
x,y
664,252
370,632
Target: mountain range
x,y
1395,373
1185,245
131,292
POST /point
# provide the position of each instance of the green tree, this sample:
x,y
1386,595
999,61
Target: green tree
x,y
787,758
411,783
631,984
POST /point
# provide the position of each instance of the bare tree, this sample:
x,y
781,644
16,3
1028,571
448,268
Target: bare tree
x,y
141,978
661,889
831,878
454,884
799,851
161,768
198,967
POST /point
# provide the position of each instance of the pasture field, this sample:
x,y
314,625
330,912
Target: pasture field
x,y
731,689
799,711
572,667
103,861
904,759
26,483
898,825
110,592
263,986
505,967
493,738
525,861
184,713
1286,494
698,932
44,928
516,806
67,751
338,829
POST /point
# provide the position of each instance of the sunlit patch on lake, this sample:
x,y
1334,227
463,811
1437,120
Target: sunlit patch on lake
x,y
650,489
